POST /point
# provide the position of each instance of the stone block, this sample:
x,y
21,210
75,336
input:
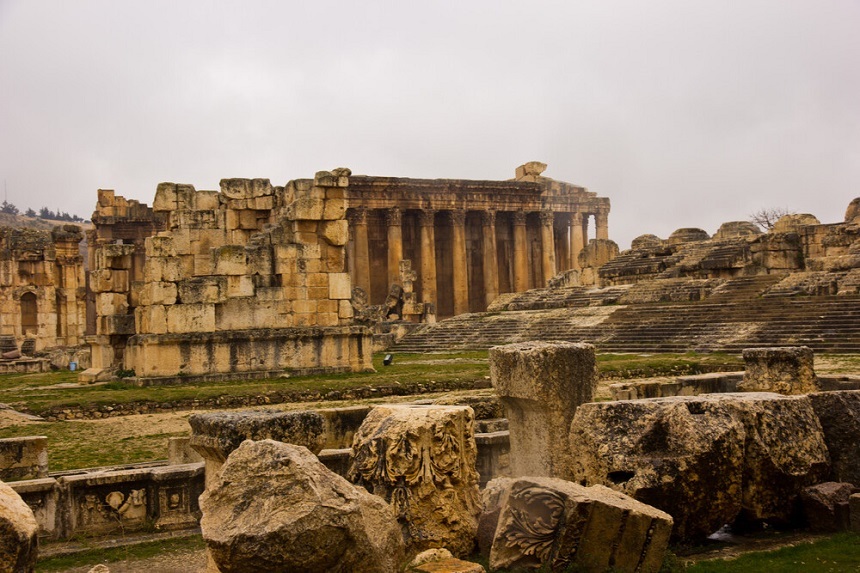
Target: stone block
x,y
151,319
239,286
334,209
23,458
336,232
202,290
309,519
236,188
183,318
306,208
825,506
159,246
706,460
179,451
345,309
230,260
839,415
785,370
552,523
19,533
541,385
854,512
162,293
339,286
91,375
108,303
166,269
421,459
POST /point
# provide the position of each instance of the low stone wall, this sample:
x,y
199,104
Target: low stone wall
x,y
24,366
711,383
250,352
114,502
23,458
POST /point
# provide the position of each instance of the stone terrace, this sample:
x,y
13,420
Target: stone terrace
x,y
703,315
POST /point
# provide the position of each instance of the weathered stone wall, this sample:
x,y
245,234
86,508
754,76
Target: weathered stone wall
x,y
247,280
23,458
42,286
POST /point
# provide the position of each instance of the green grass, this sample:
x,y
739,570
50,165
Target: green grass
x,y
92,557
839,553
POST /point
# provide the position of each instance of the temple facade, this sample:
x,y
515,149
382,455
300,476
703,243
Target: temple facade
x,y
468,240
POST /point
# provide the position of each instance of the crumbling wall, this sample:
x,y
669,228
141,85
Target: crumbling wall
x,y
250,279
42,285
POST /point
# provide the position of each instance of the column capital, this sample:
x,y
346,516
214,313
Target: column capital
x,y
519,217
546,218
393,217
488,218
458,217
601,218
576,218
427,217
357,215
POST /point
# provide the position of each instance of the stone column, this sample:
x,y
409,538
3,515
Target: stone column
x,y
521,263
428,255
393,218
547,245
461,273
491,262
601,221
541,384
358,221
562,256
577,241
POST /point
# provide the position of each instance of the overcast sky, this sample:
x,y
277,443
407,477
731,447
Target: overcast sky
x,y
684,113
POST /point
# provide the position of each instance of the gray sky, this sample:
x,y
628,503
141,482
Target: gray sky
x,y
684,113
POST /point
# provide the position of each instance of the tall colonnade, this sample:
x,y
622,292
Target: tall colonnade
x,y
468,241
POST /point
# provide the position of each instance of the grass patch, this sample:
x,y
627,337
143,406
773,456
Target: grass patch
x,y
92,557
838,553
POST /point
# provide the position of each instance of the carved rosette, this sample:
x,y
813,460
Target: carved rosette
x,y
421,459
535,517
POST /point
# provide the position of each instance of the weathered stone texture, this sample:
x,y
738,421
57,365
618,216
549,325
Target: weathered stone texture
x,y
785,370
705,460
23,458
541,384
275,507
19,540
825,505
552,523
839,414
421,459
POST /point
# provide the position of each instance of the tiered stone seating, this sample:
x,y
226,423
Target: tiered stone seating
x,y
734,316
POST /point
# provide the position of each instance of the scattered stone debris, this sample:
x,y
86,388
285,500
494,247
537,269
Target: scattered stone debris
x,y
19,540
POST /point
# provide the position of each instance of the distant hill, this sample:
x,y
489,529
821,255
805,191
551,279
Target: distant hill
x,y
22,221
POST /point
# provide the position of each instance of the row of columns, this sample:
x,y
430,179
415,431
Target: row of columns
x,y
427,218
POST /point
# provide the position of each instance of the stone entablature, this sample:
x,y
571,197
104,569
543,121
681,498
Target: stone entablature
x,y
468,240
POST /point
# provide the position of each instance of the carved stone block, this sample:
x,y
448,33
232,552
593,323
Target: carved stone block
x,y
547,522
421,459
785,370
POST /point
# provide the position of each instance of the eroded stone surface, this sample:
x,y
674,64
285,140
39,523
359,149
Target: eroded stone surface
x,y
421,459
785,370
277,508
541,384
839,414
18,533
825,505
555,523
706,460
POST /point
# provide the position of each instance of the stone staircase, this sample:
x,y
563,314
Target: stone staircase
x,y
733,317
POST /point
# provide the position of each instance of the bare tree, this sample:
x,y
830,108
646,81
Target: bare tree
x,y
765,218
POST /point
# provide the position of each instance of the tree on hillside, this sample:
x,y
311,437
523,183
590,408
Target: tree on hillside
x,y
8,208
29,212
766,217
